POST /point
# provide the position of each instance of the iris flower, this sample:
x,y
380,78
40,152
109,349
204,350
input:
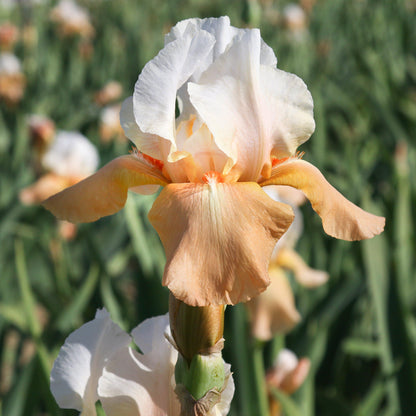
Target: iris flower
x,y
239,123
96,363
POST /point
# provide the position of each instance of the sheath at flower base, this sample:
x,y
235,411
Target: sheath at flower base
x,y
241,120
96,363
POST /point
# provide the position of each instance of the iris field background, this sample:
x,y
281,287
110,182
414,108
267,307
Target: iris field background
x,y
358,59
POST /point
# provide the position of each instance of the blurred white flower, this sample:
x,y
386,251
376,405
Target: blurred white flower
x,y
72,19
110,127
294,17
12,79
72,155
63,159
9,64
96,363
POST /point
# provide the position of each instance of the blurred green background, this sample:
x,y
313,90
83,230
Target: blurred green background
x,y
358,58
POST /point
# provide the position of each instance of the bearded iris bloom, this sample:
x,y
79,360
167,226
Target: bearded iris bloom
x,y
240,121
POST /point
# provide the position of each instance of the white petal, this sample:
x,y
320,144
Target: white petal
x,y
154,97
253,110
129,388
224,35
223,407
149,335
225,98
149,144
75,373
287,110
134,384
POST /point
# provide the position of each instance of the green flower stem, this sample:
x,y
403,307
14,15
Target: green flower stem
x,y
243,370
277,344
260,378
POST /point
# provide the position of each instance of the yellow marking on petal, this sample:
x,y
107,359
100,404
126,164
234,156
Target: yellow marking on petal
x,y
218,239
105,192
340,217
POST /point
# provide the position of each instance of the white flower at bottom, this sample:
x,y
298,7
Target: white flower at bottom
x,y
96,364
80,363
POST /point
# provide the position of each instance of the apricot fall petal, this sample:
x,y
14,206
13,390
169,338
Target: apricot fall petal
x,y
340,218
218,239
105,192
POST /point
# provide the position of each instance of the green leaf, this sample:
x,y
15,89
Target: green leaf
x,y
288,405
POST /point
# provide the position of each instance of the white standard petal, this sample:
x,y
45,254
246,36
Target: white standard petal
x,y
253,110
226,97
154,98
149,144
225,35
287,110
79,365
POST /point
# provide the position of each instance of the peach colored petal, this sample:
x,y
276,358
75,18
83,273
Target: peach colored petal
x,y
340,217
297,377
43,188
306,276
218,238
288,372
273,311
105,192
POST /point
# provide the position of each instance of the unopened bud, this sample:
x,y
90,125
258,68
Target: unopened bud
x,y
196,330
